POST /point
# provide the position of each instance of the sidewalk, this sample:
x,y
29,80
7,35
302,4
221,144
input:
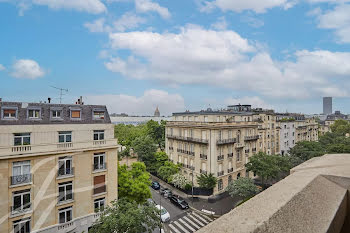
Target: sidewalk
x,y
200,203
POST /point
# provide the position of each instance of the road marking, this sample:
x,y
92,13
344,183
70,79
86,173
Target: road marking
x,y
197,221
207,218
173,228
179,225
187,225
192,223
200,217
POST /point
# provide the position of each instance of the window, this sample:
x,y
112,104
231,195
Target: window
x,y
238,175
21,201
56,114
34,113
220,185
21,226
21,172
99,204
65,191
75,114
99,184
21,139
65,166
238,156
64,136
65,215
99,115
9,113
99,161
99,135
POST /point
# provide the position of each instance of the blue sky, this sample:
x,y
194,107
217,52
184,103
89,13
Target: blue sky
x,y
134,55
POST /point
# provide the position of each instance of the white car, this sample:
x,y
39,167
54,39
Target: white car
x,y
165,216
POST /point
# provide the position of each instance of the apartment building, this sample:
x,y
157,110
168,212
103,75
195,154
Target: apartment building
x,y
220,142
58,166
295,128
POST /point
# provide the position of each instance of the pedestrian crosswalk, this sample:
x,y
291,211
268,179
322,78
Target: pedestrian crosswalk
x,y
189,223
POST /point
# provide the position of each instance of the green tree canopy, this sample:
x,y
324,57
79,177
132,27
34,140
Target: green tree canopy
x,y
207,181
267,166
145,148
341,127
167,170
126,134
127,216
243,187
306,150
157,132
133,184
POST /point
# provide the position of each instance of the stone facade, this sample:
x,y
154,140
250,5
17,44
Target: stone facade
x,y
48,162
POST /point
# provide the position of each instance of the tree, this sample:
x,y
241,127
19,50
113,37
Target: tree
x,y
206,181
167,170
340,127
243,187
126,134
145,148
267,166
133,184
306,150
127,216
159,160
179,180
157,132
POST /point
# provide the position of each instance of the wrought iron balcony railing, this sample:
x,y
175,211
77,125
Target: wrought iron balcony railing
x,y
21,179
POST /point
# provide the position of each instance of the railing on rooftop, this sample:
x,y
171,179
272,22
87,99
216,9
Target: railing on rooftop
x,y
226,141
188,139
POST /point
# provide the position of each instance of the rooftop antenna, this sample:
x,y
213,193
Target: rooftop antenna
x,y
61,92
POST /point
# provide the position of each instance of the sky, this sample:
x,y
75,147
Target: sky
x,y
135,55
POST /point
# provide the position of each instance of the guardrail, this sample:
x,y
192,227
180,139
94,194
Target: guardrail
x,y
188,139
249,138
226,141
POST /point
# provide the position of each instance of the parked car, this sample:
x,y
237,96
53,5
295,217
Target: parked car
x,y
178,201
167,193
164,214
155,185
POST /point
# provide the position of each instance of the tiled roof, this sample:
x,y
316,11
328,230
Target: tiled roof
x,y
46,113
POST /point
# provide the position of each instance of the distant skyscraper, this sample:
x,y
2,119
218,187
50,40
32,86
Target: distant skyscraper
x,y
157,113
327,105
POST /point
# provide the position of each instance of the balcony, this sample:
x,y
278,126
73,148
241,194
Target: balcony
x,y
250,138
230,155
21,179
185,152
171,148
99,142
98,189
229,170
65,145
239,145
21,209
254,150
24,148
52,148
226,141
66,227
188,139
65,172
221,173
203,156
99,166
246,151
202,171
221,157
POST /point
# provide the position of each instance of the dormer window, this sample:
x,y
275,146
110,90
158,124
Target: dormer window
x,y
9,113
34,113
75,114
98,115
56,114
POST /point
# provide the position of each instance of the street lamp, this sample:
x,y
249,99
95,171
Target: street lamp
x,y
160,212
192,183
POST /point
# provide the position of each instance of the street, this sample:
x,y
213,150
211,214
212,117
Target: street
x,y
181,221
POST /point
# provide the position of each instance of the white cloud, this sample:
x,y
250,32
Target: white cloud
x,y
255,101
225,59
89,6
2,67
145,104
126,21
258,6
148,5
337,19
221,24
252,21
27,69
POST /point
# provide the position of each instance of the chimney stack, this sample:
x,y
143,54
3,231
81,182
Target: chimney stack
x,y
49,100
0,99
